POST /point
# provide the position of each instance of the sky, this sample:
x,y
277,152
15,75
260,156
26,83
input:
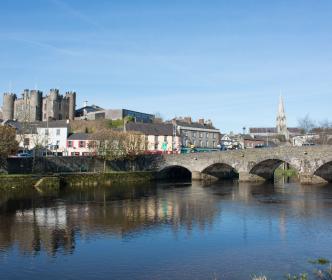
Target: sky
x,y
227,61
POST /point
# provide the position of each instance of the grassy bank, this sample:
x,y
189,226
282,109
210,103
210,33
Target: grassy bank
x,y
17,182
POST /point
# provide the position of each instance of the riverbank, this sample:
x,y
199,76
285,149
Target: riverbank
x,y
54,181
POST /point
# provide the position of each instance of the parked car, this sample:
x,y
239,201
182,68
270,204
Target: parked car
x,y
23,155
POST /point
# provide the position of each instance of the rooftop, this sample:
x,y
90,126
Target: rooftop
x,y
165,129
79,136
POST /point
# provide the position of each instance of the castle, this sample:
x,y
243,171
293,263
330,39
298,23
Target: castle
x,y
32,106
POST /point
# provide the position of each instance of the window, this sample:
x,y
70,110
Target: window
x,y
70,144
207,144
46,132
201,143
214,135
92,144
201,134
75,154
58,132
207,135
194,134
26,142
165,138
81,144
185,133
214,144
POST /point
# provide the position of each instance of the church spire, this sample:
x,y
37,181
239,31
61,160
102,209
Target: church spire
x,y
281,119
281,110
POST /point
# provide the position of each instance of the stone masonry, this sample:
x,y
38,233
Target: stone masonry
x,y
313,164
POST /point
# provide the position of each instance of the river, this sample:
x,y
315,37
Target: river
x,y
225,230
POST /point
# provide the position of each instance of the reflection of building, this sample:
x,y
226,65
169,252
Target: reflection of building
x,y
32,106
38,224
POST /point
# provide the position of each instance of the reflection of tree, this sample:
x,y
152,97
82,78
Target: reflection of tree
x,y
36,223
41,224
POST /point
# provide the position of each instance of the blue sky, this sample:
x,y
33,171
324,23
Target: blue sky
x,y
223,60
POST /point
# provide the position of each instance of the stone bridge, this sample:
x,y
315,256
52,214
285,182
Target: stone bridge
x,y
313,164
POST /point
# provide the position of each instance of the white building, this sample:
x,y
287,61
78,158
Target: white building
x,y
305,140
160,138
51,136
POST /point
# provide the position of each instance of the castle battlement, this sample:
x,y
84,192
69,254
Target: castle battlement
x,y
33,106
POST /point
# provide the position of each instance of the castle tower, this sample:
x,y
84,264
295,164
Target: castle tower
x,y
36,104
71,95
8,106
281,120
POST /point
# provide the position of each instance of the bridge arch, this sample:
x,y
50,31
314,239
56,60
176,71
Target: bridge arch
x,y
221,170
175,172
266,167
324,171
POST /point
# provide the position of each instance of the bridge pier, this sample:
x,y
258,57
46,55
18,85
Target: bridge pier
x,y
199,176
245,176
308,179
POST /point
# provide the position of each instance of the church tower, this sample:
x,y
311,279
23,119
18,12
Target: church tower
x,y
281,120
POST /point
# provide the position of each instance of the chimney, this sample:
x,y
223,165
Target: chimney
x,y
208,123
201,121
187,120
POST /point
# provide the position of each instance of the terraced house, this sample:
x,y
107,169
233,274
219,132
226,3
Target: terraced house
x,y
201,134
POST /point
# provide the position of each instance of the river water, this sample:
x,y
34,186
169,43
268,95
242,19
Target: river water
x,y
224,230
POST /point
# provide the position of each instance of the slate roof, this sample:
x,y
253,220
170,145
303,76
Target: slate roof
x,y
79,136
194,125
51,124
262,130
151,128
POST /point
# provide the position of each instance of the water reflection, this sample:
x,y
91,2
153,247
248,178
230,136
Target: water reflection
x,y
245,214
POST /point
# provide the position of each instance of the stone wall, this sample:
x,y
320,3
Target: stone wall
x,y
51,165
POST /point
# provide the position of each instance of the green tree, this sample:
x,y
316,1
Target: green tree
x,y
8,143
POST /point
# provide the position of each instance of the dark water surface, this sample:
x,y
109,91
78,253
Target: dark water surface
x,y
165,231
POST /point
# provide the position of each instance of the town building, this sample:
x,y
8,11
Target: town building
x,y
79,144
230,142
120,114
32,106
94,112
159,137
305,140
201,134
48,136
249,142
90,112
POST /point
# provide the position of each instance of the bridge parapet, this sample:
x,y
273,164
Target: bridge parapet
x,y
312,163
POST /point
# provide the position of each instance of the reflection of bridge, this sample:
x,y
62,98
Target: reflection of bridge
x,y
313,164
